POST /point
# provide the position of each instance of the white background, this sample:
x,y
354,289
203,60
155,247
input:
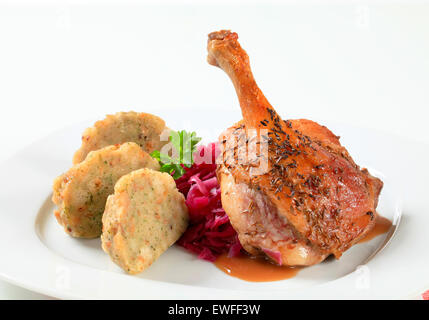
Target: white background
x,y
366,65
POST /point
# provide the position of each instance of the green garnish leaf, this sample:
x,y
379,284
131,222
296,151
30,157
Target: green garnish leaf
x,y
183,145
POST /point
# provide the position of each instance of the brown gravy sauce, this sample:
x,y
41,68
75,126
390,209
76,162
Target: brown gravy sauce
x,y
254,269
257,269
382,225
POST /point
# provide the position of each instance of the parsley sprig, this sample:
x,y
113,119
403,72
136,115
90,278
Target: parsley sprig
x,y
183,145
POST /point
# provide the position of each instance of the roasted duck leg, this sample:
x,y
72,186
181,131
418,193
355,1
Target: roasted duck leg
x,y
312,200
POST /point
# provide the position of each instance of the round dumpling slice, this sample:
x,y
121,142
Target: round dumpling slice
x,y
142,128
81,192
143,218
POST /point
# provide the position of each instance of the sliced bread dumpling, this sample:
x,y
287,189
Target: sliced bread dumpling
x,y
81,192
143,218
142,128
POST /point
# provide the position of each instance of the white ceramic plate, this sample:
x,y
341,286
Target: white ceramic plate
x,y
38,255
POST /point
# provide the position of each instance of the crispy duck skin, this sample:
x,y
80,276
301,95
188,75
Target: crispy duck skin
x,y
312,200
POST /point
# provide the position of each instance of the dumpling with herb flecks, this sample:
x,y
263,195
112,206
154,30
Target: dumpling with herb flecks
x,y
143,218
142,128
81,192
